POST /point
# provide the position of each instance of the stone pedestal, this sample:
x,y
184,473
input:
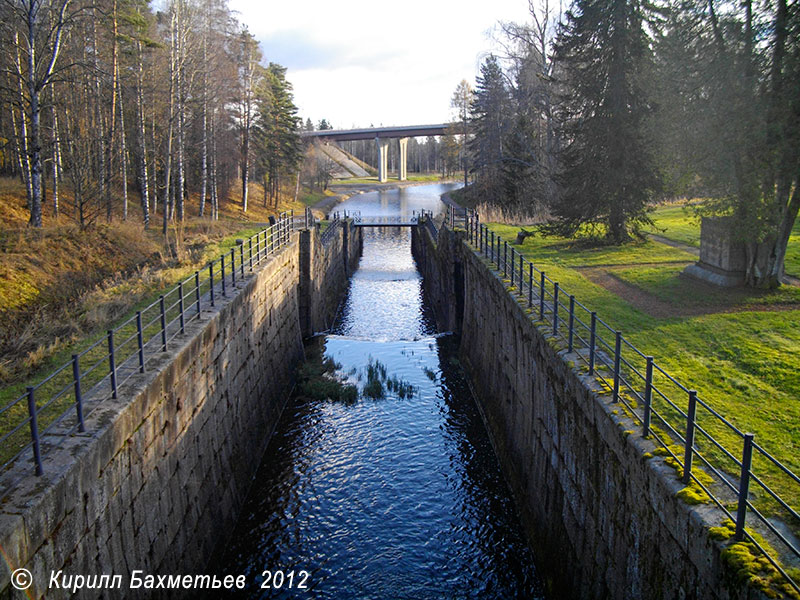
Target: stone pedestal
x,y
722,257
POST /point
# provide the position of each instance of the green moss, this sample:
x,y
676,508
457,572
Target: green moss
x,y
753,568
647,455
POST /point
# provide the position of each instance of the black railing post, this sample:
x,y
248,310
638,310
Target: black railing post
x,y
521,279
512,266
648,396
222,274
541,296
617,363
250,251
258,247
744,486
492,259
505,258
555,308
688,455
571,336
197,290
180,306
37,455
233,268
530,285
592,342
162,307
140,340
211,281
112,364
76,378
241,257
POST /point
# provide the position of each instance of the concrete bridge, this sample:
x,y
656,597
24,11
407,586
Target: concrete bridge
x,y
382,136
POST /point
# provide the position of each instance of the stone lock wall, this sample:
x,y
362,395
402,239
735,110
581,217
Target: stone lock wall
x,y
326,267
161,474
604,521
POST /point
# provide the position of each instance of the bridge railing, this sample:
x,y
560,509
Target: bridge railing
x,y
51,411
717,461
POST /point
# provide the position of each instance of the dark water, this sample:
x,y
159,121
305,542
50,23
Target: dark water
x,y
392,497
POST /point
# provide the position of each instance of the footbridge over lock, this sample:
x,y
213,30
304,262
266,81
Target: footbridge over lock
x,y
382,136
403,220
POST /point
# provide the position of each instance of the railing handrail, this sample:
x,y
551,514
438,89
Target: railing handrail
x,y
620,377
129,347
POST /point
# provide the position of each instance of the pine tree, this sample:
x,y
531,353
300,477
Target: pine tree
x,y
280,147
607,173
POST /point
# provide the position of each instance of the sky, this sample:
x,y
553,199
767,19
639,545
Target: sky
x,y
367,62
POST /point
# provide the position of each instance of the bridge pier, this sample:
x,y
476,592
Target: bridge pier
x,y
383,159
402,166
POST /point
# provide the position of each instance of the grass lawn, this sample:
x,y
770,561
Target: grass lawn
x,y
679,222
739,349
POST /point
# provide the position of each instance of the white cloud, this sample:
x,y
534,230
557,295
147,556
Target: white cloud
x,y
357,62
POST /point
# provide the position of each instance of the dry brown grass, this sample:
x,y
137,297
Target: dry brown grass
x,y
61,284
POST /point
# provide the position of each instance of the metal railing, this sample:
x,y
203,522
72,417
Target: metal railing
x,y
745,482
57,407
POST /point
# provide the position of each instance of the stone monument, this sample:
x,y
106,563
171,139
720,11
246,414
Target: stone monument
x,y
722,257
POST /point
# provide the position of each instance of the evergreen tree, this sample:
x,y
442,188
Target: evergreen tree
x,y
489,117
281,150
607,173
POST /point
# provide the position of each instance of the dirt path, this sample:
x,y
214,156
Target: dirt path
x,y
660,309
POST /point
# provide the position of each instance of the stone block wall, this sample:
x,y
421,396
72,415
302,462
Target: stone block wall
x,y
159,478
604,521
326,267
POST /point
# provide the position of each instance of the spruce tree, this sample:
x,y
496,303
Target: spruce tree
x,y
489,116
607,172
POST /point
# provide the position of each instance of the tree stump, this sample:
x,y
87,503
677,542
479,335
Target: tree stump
x,y
521,235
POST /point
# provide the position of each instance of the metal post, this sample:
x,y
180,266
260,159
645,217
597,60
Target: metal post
x,y
76,377
112,363
197,290
163,323
37,456
744,486
555,308
521,261
592,342
140,340
222,274
689,454
530,285
617,363
211,280
512,266
258,247
493,247
648,396
180,306
233,268
250,251
505,258
241,257
541,297
571,337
